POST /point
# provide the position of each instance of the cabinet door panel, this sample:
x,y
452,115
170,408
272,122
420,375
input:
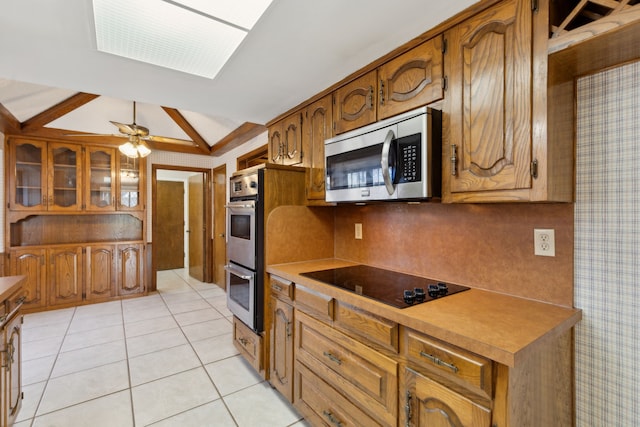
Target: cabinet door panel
x,y
130,177
65,275
490,72
28,176
355,104
428,403
31,263
275,143
281,348
318,127
100,169
101,272
412,80
65,177
13,369
292,145
130,269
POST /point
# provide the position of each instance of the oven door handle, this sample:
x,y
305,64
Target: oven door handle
x,y
235,272
247,206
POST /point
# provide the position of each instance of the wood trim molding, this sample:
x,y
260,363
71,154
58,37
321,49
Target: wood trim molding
x,y
57,111
180,120
237,137
8,122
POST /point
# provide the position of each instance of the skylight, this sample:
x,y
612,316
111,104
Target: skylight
x,y
192,36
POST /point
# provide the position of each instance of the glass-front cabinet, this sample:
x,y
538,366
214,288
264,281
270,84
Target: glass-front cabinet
x,y
130,184
100,191
45,176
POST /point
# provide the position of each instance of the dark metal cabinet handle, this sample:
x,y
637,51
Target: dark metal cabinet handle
x,y
332,419
439,362
333,358
454,159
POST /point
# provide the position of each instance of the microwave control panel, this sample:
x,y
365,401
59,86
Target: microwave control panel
x,y
409,155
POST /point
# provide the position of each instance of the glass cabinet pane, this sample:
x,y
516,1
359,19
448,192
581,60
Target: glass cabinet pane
x,y
129,183
101,164
65,164
28,175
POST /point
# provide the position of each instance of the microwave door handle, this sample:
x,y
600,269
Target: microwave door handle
x,y
384,163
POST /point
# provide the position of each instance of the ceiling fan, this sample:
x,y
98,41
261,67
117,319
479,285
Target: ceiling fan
x,y
136,135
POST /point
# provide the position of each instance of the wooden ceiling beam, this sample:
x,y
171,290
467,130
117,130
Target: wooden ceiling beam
x,y
8,122
180,120
57,111
239,136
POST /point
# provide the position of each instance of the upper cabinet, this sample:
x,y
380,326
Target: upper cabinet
x,y
285,140
317,127
355,103
44,176
411,80
494,135
130,183
62,177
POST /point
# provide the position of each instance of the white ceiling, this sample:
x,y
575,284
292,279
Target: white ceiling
x,y
297,49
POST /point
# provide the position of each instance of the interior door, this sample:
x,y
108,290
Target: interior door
x,y
219,224
196,226
170,221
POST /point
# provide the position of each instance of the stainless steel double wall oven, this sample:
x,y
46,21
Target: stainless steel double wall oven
x,y
244,271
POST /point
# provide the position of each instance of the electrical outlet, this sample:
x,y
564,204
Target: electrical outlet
x,y
358,231
544,242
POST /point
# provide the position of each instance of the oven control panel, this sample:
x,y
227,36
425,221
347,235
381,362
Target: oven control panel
x,y
242,186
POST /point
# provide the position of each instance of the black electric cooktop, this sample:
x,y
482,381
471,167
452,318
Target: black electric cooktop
x,y
396,289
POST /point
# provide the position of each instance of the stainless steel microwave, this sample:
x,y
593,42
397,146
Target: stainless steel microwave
x,y
394,159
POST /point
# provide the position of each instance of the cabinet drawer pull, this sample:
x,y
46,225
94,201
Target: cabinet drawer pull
x,y
332,419
276,288
439,362
21,300
243,341
332,357
3,317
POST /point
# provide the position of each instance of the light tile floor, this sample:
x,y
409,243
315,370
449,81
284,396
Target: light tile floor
x,y
162,360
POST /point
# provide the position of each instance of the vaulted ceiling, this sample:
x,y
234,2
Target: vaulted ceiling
x,y
54,82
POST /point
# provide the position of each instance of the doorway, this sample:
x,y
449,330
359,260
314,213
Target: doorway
x,y
189,209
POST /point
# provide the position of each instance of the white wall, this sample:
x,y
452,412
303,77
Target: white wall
x,y
607,248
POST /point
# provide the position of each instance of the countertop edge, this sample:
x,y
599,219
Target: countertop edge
x,y
10,284
507,346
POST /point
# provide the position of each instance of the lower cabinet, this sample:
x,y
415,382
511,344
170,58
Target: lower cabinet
x,y
281,347
11,353
428,403
248,343
74,274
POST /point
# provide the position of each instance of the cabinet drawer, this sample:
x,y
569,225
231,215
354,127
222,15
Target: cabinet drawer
x,y
314,303
367,325
281,288
15,300
248,343
368,378
322,405
456,363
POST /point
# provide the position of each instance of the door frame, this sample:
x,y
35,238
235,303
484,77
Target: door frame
x,y
208,226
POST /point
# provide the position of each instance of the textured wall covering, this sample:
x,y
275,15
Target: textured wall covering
x,y
607,248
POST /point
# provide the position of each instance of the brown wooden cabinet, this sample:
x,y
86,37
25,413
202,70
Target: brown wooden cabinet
x,y
428,403
10,349
130,183
30,262
285,140
100,170
130,269
411,80
64,275
355,104
100,279
44,176
494,142
281,337
248,343
318,126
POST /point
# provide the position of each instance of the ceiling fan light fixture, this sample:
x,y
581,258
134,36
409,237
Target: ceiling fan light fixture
x,y
128,149
143,150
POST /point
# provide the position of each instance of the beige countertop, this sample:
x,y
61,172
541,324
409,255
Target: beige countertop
x,y
10,284
497,326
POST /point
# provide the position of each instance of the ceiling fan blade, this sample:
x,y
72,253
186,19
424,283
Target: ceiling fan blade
x,y
124,128
168,140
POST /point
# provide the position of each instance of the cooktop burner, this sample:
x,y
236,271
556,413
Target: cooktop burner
x,y
396,289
